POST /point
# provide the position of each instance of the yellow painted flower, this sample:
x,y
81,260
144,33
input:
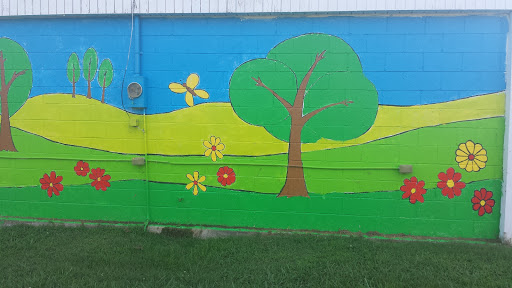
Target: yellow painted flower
x,y
196,182
214,148
471,156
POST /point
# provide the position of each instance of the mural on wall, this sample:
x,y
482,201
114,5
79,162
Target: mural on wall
x,y
297,95
328,117
16,82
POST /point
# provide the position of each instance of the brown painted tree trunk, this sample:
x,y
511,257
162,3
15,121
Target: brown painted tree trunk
x,y
89,96
295,183
73,95
6,142
103,93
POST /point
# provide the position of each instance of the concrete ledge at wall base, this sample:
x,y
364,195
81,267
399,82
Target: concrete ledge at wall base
x,y
201,233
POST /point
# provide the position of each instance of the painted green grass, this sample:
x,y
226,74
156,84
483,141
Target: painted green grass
x,y
363,168
382,212
111,257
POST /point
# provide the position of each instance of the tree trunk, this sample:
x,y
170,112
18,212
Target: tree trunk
x,y
103,93
89,90
6,142
73,95
295,183
89,96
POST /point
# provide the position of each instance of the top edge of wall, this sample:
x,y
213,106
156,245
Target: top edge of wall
x,y
245,7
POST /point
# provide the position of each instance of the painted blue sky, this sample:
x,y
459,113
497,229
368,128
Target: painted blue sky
x,y
410,60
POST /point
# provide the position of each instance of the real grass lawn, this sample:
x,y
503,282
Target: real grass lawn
x,y
56,256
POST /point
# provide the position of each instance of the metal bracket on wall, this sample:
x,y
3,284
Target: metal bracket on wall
x,y
405,169
138,161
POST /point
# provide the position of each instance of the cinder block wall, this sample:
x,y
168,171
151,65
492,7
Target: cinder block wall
x,y
388,91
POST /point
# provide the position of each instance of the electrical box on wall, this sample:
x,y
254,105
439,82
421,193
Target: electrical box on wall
x,y
134,89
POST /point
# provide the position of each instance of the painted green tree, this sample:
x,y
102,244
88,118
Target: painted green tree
x,y
105,76
90,65
307,88
16,83
73,71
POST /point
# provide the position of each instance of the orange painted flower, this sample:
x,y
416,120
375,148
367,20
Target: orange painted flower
x,y
51,184
450,183
413,190
100,180
482,202
226,176
82,168
214,148
471,157
196,182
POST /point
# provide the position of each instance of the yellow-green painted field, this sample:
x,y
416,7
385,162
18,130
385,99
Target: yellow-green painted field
x,y
89,123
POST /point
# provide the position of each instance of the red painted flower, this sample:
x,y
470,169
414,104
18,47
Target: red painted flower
x,y
100,181
413,190
51,184
226,176
482,202
82,168
450,183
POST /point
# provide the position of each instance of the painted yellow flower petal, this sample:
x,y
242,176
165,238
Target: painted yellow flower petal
x,y
189,185
217,141
219,154
220,147
478,147
461,153
481,158
469,168
196,175
471,146
480,164
214,157
475,167
195,190
201,186
207,144
463,148
207,152
212,140
481,152
463,164
190,177
201,179
461,158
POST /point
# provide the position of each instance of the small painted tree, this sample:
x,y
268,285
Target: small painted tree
x,y
16,83
105,76
307,88
73,71
90,66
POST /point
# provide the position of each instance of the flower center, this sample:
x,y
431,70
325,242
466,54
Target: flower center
x,y
214,148
482,203
450,183
225,175
51,184
195,182
81,168
413,190
99,178
471,157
